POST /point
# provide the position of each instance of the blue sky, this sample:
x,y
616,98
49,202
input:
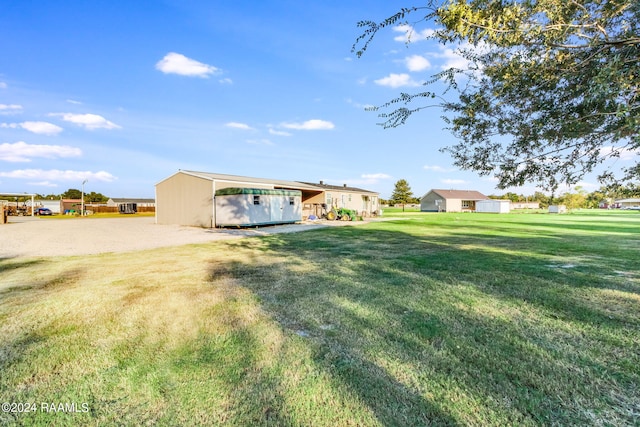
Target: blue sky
x,y
125,93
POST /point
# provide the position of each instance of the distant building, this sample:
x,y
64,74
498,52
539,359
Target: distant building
x,y
451,201
143,203
68,205
627,203
205,199
525,205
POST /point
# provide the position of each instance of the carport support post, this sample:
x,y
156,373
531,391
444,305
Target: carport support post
x,y
82,204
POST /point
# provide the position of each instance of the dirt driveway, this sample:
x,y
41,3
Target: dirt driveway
x,y
32,237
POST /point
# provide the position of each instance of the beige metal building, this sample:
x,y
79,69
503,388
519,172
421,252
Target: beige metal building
x,y
188,197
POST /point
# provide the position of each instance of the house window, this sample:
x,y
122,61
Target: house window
x,y
466,204
256,200
349,197
329,199
292,201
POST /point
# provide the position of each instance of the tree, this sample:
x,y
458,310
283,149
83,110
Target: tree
x,y
552,89
402,193
574,200
72,193
94,197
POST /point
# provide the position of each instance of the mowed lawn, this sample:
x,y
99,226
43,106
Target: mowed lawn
x,y
429,319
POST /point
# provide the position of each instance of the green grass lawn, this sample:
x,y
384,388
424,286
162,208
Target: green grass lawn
x,y
442,319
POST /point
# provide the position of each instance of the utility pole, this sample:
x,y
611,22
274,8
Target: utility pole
x,y
83,183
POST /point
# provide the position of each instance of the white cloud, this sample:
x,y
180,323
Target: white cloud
x,y
43,184
88,121
72,101
437,168
23,152
490,179
237,125
10,109
622,153
452,59
175,63
226,81
314,124
358,105
59,175
453,181
417,63
278,132
396,80
3,85
42,128
375,176
409,34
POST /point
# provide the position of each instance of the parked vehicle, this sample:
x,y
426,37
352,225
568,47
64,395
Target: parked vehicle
x,y
43,211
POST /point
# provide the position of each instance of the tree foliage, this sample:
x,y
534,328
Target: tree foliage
x,y
72,193
91,197
552,89
402,193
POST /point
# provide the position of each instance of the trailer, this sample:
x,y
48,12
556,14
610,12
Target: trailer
x,y
245,207
128,208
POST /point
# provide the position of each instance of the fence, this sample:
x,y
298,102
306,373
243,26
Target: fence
x,y
114,209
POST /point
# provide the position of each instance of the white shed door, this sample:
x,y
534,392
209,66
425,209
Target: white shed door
x,y
276,208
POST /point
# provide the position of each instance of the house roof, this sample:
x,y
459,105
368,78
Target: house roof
x,y
122,200
459,194
628,201
250,180
339,187
277,183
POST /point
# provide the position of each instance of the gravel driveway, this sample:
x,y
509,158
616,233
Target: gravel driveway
x,y
29,237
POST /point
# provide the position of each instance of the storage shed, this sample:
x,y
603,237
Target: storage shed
x,y
557,209
244,207
493,206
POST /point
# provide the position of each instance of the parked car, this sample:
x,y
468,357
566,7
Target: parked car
x,y
43,211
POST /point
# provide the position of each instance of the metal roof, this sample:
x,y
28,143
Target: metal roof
x,y
459,194
296,185
250,180
339,188
124,200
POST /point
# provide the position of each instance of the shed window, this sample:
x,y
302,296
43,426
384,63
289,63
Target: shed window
x,y
256,200
292,201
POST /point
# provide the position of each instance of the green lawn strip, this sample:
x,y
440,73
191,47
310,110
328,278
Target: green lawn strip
x,y
447,319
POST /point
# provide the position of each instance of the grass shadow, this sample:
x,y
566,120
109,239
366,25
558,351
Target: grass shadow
x,y
370,300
